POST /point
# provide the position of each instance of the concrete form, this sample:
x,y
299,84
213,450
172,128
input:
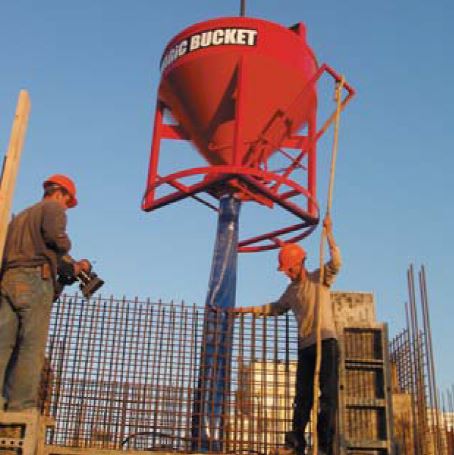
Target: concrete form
x,y
23,432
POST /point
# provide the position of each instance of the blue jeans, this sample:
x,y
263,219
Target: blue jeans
x,y
25,306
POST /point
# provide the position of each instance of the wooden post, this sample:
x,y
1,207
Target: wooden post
x,y
11,164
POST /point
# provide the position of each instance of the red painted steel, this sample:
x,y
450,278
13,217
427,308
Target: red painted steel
x,y
269,69
241,89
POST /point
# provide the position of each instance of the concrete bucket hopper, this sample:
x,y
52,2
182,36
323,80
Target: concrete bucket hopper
x,y
240,89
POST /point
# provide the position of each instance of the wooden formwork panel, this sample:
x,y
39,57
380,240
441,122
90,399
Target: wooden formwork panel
x,y
365,400
364,383
365,424
23,433
363,343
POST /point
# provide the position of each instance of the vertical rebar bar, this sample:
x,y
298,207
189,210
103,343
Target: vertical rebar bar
x,y
411,383
430,357
419,368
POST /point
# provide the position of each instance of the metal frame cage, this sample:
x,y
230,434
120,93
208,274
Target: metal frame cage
x,y
122,374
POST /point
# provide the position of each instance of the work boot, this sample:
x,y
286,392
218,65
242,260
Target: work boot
x,y
295,441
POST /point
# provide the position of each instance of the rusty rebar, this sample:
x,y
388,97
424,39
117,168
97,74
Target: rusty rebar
x,y
122,374
432,385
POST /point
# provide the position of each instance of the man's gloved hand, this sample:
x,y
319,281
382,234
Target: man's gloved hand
x,y
258,310
83,265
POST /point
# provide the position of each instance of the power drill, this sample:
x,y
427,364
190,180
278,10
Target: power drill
x,y
89,282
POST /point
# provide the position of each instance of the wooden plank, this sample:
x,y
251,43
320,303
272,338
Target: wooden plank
x,y
61,450
354,402
11,164
369,445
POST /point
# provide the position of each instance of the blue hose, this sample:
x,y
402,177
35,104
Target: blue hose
x,y
210,396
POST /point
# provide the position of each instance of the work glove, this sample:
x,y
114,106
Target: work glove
x,y
83,265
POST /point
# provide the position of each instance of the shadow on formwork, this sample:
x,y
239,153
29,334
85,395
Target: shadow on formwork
x,y
121,375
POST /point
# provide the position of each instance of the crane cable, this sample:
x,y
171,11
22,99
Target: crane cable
x,y
318,359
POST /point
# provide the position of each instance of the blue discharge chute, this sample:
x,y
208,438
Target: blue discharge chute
x,y
210,396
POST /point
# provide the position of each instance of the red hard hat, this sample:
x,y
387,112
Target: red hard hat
x,y
66,183
290,255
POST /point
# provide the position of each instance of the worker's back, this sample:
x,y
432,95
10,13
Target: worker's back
x,y
35,236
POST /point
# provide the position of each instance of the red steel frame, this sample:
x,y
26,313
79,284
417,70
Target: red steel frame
x,y
257,183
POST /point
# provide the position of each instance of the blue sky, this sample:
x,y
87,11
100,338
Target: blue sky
x,y
92,70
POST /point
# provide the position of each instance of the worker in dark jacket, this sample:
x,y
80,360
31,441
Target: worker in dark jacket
x,y
35,241
309,299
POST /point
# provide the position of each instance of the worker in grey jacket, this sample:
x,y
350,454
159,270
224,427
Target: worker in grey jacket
x,y
301,297
35,241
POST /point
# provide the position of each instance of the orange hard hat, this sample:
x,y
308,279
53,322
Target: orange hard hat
x,y
290,255
66,183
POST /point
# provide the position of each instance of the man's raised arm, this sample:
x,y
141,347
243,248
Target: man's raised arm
x,y
333,266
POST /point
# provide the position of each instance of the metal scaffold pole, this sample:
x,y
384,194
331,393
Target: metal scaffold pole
x,y
213,384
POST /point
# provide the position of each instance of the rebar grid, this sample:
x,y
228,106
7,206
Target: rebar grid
x,y
422,425
123,374
448,418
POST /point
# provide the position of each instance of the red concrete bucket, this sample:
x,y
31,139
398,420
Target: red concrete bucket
x,y
239,77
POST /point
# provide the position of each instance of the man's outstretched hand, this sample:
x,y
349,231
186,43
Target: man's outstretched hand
x,y
238,310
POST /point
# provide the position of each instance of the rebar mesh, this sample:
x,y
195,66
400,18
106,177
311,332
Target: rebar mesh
x,y
422,425
123,374
419,427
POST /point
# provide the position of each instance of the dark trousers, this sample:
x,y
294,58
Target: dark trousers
x,y
328,393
